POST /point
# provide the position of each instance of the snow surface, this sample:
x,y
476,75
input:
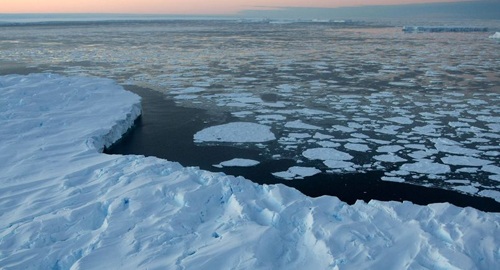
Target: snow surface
x,y
65,205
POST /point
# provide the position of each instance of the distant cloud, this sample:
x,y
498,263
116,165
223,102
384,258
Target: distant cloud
x,y
482,9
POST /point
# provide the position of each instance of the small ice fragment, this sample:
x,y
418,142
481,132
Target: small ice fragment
x,y
299,135
490,193
466,189
491,169
389,158
343,128
377,141
452,147
495,177
401,120
321,136
326,154
357,147
463,182
300,125
468,170
465,161
392,179
339,164
271,117
416,146
328,144
389,148
426,167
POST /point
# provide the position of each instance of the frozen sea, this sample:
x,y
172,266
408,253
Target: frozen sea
x,y
343,99
297,101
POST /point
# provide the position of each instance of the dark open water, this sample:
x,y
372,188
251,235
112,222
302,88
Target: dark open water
x,y
166,130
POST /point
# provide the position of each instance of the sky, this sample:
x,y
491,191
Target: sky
x,y
183,7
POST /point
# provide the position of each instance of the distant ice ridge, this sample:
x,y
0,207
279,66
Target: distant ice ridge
x,y
64,205
435,29
496,35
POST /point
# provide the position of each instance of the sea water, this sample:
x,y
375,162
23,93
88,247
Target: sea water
x,y
402,108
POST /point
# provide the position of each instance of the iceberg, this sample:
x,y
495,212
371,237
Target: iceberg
x,y
66,205
437,29
495,36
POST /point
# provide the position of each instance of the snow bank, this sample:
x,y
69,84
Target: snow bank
x,y
64,205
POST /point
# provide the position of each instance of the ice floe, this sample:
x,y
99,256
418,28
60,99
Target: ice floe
x,y
357,147
491,168
393,179
389,158
324,153
466,189
465,161
339,164
298,124
426,167
235,132
401,120
237,162
297,172
389,148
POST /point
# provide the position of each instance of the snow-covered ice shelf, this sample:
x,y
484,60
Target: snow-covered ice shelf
x,y
65,205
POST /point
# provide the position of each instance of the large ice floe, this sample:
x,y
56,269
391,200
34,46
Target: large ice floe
x,y
235,132
65,205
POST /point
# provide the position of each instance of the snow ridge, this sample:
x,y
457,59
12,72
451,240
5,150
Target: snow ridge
x,y
64,205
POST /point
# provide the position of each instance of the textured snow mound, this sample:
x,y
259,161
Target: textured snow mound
x,y
65,205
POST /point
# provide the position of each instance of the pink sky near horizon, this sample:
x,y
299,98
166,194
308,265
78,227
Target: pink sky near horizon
x,y
195,7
